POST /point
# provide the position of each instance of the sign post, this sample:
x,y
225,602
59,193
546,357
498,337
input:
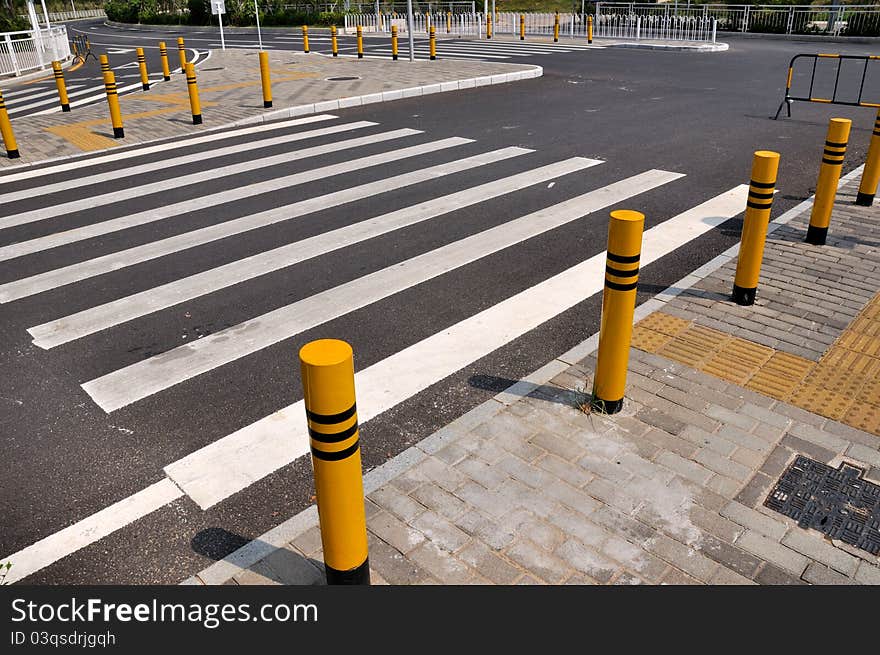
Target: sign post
x,y
257,14
218,8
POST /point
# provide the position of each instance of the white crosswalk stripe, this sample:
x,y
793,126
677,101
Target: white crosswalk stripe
x,y
446,183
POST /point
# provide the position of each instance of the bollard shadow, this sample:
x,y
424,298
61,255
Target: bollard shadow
x,y
278,565
184,121
523,388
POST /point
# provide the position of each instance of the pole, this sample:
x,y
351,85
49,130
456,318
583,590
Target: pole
x,y
222,40
259,33
45,13
411,28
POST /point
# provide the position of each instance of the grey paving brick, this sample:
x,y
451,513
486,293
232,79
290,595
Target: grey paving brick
x,y
755,521
538,562
611,494
395,532
670,442
777,462
822,575
849,433
491,503
636,559
535,529
769,433
485,530
819,437
815,547
756,491
806,448
396,502
440,472
751,459
868,574
708,440
573,475
451,453
729,417
490,477
742,438
588,561
557,444
682,557
441,564
676,577
730,557
714,524
684,467
525,472
864,454
604,468
519,495
579,527
394,567
618,523
644,468
439,530
488,563
720,464
683,398
773,575
773,552
309,542
725,576
798,414
661,420
441,501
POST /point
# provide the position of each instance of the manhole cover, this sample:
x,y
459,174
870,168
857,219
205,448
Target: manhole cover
x,y
837,502
342,78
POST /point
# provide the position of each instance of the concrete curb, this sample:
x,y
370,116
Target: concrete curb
x,y
701,47
223,570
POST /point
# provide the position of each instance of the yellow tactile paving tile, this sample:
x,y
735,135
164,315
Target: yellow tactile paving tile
x,y
864,416
664,323
821,401
648,340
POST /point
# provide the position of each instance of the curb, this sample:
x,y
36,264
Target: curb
x,y
252,552
702,47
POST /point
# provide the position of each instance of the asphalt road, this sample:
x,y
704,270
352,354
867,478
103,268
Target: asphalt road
x,y
700,115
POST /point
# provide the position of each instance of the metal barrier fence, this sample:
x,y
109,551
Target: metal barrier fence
x,y
672,25
21,52
61,16
835,99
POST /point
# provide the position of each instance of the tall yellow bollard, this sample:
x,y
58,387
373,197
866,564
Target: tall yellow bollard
x,y
432,42
589,29
618,307
394,42
488,26
163,55
264,79
333,41
522,27
328,387
829,176
193,87
305,29
871,174
448,22
62,87
6,131
181,51
105,63
427,23
556,28
142,66
113,103
360,40
765,166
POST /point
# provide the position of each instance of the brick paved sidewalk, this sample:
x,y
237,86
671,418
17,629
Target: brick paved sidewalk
x,y
529,489
230,94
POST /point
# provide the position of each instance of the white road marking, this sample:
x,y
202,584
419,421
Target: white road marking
x,y
147,377
165,164
162,147
211,200
95,319
97,526
115,261
228,465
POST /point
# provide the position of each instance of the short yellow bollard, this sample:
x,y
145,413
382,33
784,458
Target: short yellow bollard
x,y
871,174
427,23
6,131
105,63
181,51
765,166
433,44
328,387
305,29
556,28
589,29
264,79
360,40
62,87
394,42
522,27
333,41
142,66
163,55
113,103
488,26
448,22
829,176
618,307
193,87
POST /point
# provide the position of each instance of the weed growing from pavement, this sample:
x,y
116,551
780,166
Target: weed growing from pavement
x,y
4,570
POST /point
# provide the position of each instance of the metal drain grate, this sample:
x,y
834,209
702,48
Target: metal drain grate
x,y
837,502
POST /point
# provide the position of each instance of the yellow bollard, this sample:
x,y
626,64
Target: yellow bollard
x,y
163,54
556,28
105,63
193,87
142,65
62,88
448,22
432,42
522,27
829,176
328,387
333,41
181,51
113,103
6,131
394,42
589,29
427,23
488,26
618,307
305,29
264,79
871,174
765,166
360,38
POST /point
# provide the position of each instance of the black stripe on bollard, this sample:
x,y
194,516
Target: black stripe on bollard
x,y
337,455
816,235
743,296
330,419
333,437
357,576
865,199
118,133
13,154
65,107
197,119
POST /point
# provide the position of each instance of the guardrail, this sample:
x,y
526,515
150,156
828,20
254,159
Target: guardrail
x,y
834,99
21,52
80,14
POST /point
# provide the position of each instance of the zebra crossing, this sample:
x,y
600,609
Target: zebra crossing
x,y
486,50
261,238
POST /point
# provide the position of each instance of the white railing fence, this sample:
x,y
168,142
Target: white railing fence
x,y
21,52
61,16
